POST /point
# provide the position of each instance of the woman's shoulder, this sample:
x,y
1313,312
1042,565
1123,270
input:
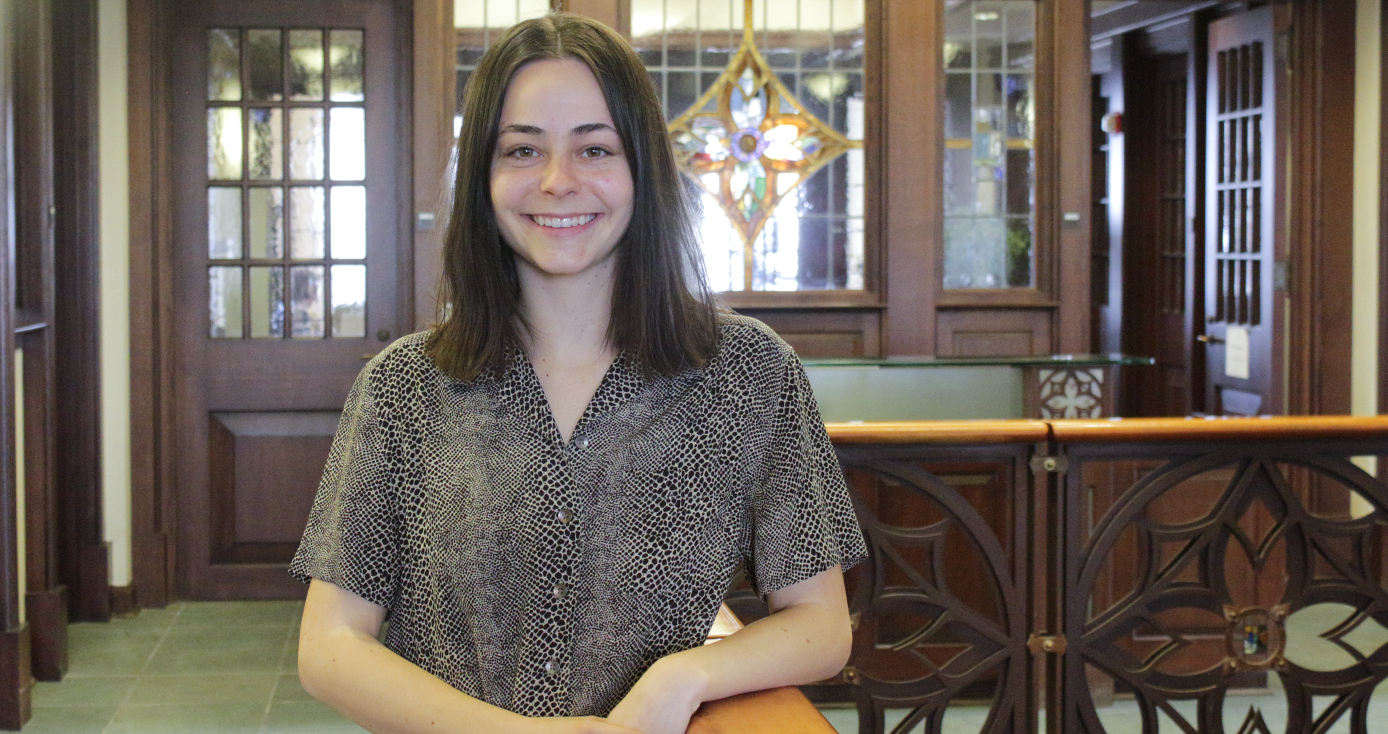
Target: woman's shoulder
x,y
405,359
743,340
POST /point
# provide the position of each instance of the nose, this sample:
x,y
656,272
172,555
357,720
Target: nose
x,y
559,178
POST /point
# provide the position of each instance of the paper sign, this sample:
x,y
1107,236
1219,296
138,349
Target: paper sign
x,y
1236,352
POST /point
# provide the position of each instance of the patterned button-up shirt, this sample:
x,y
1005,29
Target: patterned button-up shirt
x,y
544,576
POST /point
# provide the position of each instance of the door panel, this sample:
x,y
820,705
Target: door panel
x,y
1240,201
265,468
287,129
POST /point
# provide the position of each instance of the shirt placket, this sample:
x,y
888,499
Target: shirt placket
x,y
558,590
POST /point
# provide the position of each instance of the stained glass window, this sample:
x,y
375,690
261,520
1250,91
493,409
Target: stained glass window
x,y
770,123
989,157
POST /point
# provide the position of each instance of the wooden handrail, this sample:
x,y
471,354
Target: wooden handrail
x,y
940,432
776,711
1294,428
1284,428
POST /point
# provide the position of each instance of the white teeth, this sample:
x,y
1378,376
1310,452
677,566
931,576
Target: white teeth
x,y
562,222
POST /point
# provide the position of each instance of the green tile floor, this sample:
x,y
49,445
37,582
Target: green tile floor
x,y
192,667
229,667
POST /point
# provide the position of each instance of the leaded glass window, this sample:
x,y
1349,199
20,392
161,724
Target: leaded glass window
x,y
989,157
786,232
286,193
478,24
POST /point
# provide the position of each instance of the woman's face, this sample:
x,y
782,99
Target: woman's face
x,y
560,184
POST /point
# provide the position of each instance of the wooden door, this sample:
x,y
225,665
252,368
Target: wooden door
x,y
1241,195
1156,318
287,251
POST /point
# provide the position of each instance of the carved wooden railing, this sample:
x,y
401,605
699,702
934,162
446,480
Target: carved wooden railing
x,y
1023,574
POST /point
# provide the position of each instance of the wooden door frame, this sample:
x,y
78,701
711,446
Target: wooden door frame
x,y
15,681
1319,237
1383,220
427,81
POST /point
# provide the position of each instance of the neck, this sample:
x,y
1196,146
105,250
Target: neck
x,y
568,315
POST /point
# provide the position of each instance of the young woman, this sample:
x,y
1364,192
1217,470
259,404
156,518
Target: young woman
x,y
548,495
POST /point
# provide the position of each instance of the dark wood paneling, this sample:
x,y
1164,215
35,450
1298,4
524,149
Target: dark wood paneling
x,y
912,171
1062,261
264,471
1319,247
993,333
825,333
76,322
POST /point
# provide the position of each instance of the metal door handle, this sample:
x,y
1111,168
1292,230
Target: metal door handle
x,y
1206,338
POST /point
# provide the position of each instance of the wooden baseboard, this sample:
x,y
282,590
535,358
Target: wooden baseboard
x,y
47,614
16,683
123,602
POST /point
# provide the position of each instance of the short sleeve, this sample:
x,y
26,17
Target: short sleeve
x,y
352,536
803,519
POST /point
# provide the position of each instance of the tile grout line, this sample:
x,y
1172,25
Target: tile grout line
x,y
279,674
140,673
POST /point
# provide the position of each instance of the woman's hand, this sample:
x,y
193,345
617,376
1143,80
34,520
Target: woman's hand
x,y
664,699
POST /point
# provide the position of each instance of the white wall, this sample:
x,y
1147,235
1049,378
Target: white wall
x,y
114,157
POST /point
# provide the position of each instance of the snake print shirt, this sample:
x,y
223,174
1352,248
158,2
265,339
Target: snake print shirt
x,y
545,577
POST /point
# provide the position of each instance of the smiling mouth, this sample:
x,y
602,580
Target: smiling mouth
x,y
563,222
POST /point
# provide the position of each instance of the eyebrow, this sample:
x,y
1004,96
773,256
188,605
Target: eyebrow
x,y
584,129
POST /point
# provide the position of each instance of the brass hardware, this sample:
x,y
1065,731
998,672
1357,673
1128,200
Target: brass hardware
x,y
1049,465
1054,644
1207,339
850,674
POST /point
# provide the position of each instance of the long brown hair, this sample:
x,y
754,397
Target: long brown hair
x,y
662,313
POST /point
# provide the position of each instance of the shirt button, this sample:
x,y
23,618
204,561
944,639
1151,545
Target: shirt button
x,y
561,591
581,442
565,515
551,667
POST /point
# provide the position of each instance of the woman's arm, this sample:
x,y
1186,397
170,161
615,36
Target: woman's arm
x,y
342,664
806,638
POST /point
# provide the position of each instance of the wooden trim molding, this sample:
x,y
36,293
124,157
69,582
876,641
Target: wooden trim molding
x,y
76,321
16,683
1383,212
1319,238
151,420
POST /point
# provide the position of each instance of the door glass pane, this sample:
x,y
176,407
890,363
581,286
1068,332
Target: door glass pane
x,y
306,64
224,301
349,300
306,218
223,223
349,222
224,65
345,51
267,302
306,140
990,129
306,300
267,65
267,223
347,143
224,143
267,144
